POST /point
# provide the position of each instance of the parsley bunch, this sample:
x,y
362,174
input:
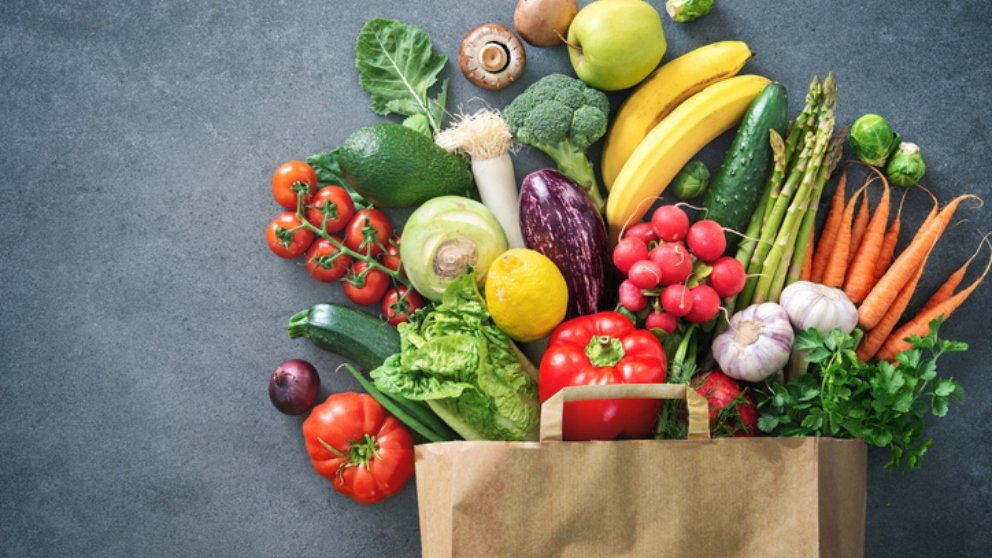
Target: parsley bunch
x,y
880,402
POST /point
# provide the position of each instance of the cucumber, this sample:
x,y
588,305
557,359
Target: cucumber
x,y
736,189
363,339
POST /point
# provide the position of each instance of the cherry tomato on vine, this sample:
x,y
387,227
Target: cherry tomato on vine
x,y
283,243
286,176
367,289
399,304
368,229
391,257
340,211
321,266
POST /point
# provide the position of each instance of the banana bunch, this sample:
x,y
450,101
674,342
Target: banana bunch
x,y
673,114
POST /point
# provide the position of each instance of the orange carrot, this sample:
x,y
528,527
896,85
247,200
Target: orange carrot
x,y
876,336
920,324
805,274
858,229
861,274
901,271
889,244
829,234
833,274
945,291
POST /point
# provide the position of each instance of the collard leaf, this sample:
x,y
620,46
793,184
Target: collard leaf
x,y
396,67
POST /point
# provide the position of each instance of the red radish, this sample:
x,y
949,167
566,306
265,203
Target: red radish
x,y
728,276
676,300
642,231
628,251
661,320
644,274
705,304
631,297
674,261
670,223
706,240
732,409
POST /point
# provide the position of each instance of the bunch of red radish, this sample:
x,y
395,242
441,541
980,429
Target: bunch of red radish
x,y
676,269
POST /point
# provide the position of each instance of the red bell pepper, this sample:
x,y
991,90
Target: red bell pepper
x,y
363,450
603,348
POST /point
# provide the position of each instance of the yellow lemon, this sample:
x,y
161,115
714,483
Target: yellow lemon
x,y
526,294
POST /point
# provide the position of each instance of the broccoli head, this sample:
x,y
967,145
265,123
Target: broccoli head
x,y
562,116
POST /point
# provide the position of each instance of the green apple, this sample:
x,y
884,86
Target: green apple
x,y
614,44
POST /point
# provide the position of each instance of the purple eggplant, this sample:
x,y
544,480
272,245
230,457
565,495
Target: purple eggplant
x,y
560,220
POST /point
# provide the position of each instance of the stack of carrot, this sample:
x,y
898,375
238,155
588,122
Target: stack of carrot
x,y
855,252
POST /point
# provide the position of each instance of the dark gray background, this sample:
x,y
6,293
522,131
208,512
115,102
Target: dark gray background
x,y
142,313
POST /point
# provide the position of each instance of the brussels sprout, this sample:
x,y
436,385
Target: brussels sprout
x,y
682,11
906,167
691,181
873,139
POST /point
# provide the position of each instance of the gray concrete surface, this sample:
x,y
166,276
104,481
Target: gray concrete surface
x,y
142,313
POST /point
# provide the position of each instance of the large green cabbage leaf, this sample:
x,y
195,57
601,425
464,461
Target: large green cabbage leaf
x,y
467,369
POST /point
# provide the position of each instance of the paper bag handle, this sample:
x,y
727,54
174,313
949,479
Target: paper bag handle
x,y
553,408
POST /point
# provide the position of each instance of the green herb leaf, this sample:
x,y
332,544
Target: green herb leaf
x,y
396,67
944,387
807,340
768,423
938,406
818,355
880,402
953,346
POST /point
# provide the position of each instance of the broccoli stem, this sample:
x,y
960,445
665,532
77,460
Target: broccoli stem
x,y
576,165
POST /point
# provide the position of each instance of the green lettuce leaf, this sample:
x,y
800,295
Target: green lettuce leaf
x,y
467,369
396,67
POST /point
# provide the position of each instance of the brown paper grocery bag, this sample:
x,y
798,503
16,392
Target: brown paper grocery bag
x,y
764,497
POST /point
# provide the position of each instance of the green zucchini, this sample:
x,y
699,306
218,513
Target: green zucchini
x,y
363,339
736,189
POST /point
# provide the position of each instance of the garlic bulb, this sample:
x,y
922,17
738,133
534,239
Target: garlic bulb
x,y
818,306
757,343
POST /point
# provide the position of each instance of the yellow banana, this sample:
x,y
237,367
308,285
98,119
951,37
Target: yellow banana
x,y
661,92
670,145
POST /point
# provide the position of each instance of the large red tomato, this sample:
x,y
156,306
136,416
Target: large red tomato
x,y
363,450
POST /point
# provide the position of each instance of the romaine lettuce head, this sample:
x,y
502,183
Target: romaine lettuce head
x,y
468,371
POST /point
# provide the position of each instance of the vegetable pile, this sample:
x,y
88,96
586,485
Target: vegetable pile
x,y
785,329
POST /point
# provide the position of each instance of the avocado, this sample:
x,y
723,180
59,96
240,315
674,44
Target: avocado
x,y
395,166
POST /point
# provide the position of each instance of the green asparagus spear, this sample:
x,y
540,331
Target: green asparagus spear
x,y
775,266
804,122
830,162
